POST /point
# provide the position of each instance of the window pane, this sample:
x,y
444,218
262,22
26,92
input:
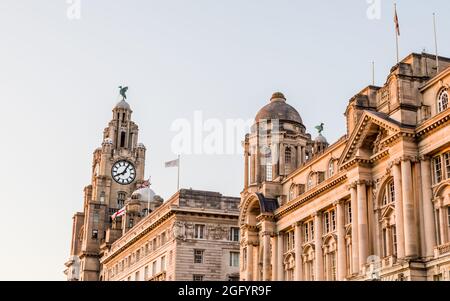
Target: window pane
x,y
447,165
437,165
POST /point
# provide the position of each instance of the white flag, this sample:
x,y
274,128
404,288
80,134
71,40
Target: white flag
x,y
173,163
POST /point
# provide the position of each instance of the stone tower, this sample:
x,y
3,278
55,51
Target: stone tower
x,y
117,169
277,145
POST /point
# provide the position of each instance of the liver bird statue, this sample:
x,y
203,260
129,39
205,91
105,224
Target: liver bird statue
x,y
320,127
123,91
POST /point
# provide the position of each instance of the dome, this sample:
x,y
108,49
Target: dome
x,y
143,194
278,109
321,139
122,105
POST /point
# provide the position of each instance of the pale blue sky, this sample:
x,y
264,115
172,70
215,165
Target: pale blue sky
x,y
59,82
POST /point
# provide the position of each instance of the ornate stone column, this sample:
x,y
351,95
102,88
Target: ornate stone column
x,y
303,154
341,256
252,169
362,222
267,227
249,269
399,221
427,207
246,165
318,232
281,161
280,267
410,229
274,260
266,256
298,252
355,245
299,156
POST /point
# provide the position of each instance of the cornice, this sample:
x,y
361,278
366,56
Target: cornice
x,y
433,124
289,207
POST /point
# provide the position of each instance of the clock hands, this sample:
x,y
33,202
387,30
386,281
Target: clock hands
x,y
124,171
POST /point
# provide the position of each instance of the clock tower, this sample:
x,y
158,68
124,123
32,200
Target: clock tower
x,y
117,170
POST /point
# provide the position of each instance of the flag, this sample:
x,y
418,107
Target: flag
x,y
145,184
397,24
119,213
173,163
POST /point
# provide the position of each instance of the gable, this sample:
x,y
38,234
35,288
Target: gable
x,y
370,137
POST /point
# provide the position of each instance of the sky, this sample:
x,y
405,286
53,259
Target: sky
x,y
59,76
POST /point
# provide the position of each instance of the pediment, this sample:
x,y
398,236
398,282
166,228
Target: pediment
x,y
387,212
370,137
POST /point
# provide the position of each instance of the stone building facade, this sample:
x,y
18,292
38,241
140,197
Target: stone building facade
x,y
142,240
373,205
194,236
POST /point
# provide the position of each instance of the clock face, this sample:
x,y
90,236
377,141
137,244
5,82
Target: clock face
x,y
123,172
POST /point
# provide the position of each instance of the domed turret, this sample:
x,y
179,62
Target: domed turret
x,y
278,109
122,105
144,194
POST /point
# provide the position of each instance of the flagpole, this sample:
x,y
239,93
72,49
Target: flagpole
x,y
436,42
148,200
178,176
373,73
396,34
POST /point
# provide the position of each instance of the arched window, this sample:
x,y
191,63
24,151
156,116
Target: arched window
x,y
330,259
387,220
308,264
331,168
122,139
388,194
442,101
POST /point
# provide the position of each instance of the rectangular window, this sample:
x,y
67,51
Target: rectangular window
x,y
94,234
447,164
154,268
163,263
234,259
234,234
392,191
199,231
385,243
349,213
154,244
96,217
326,224
333,220
146,272
437,166
198,256
311,230
163,238
137,276
394,241
307,232
197,277
138,255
